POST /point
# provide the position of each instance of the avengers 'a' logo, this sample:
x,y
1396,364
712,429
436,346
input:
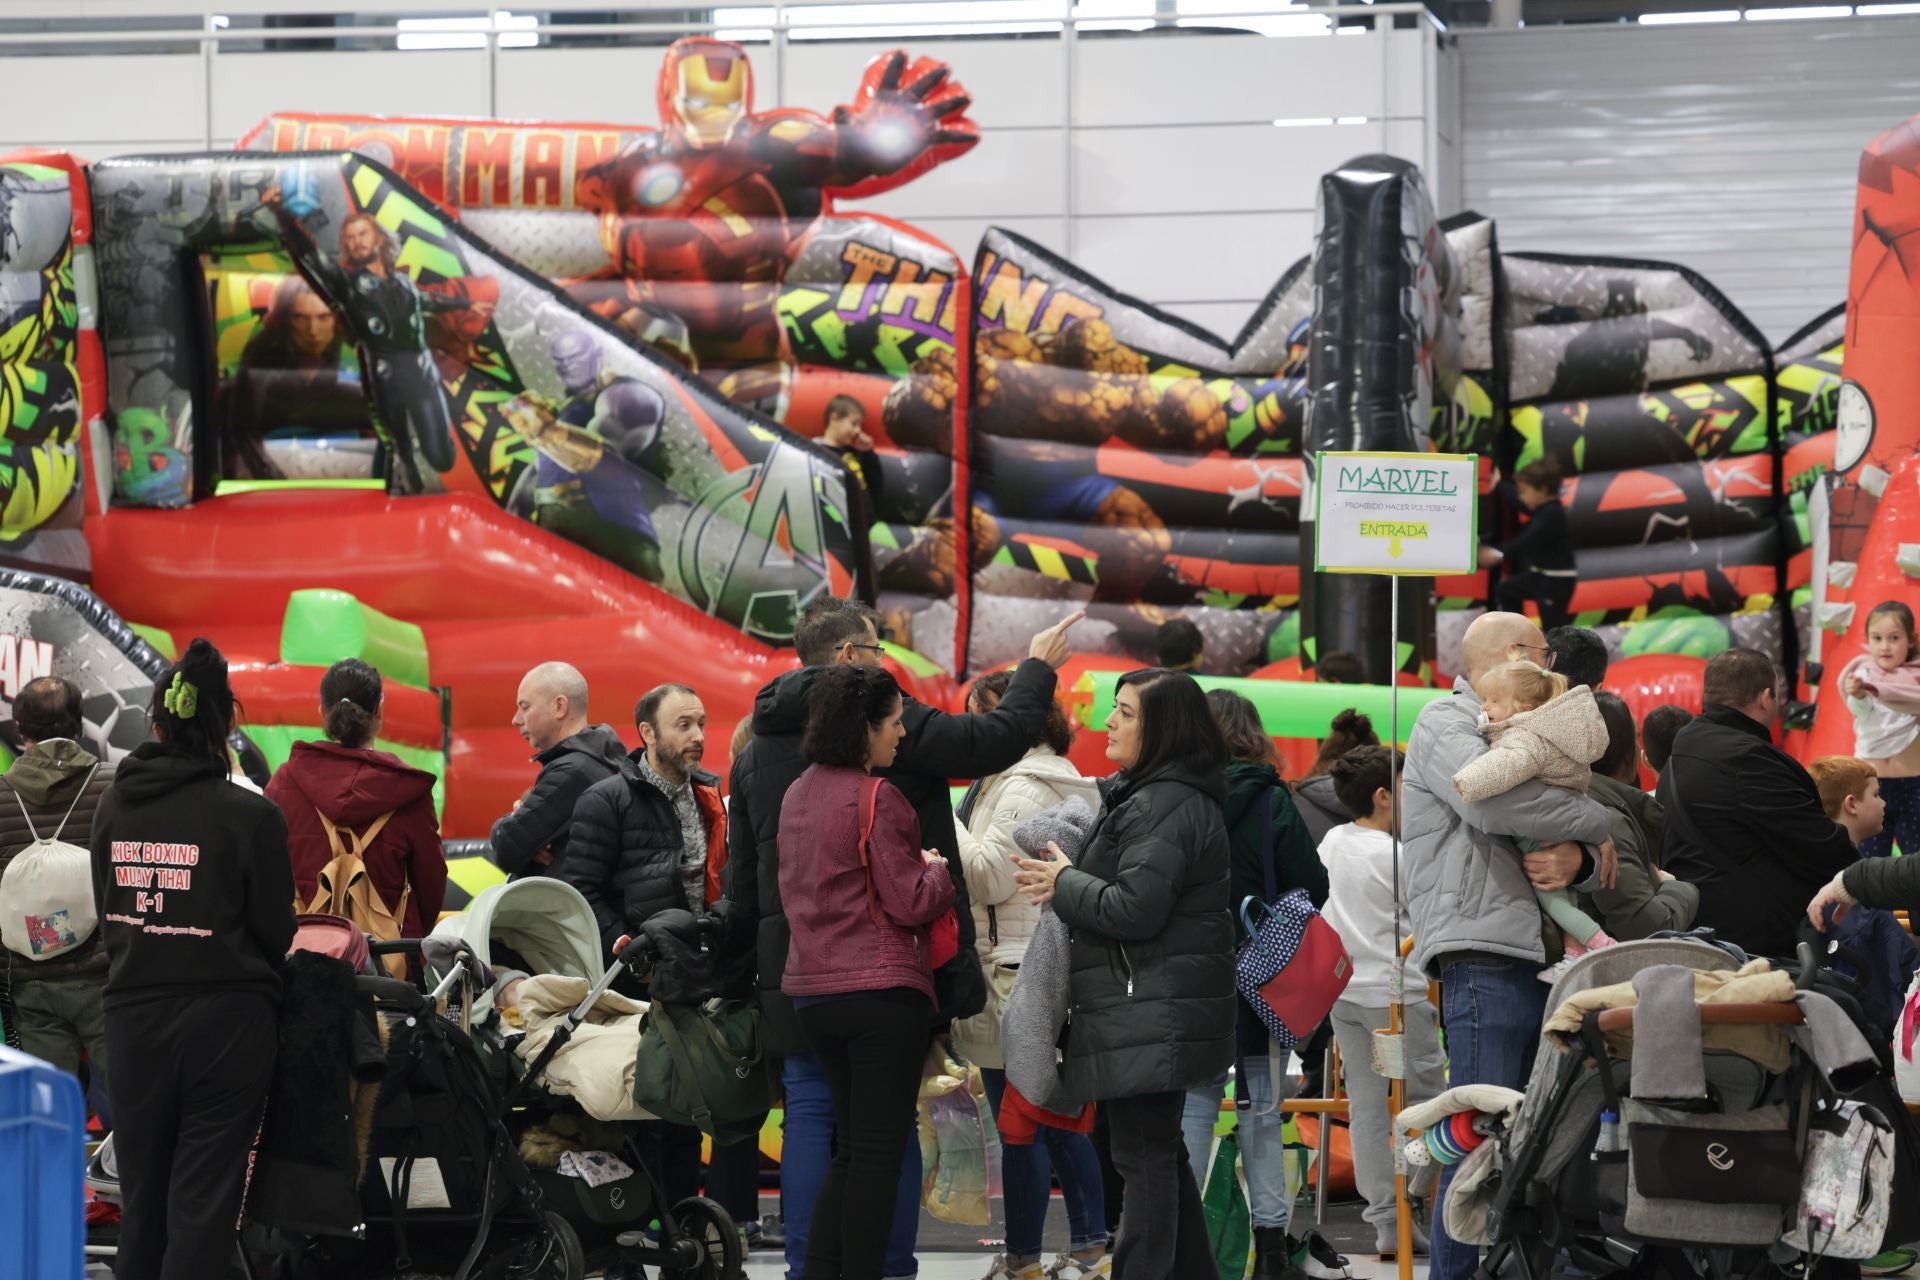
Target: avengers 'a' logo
x,y
755,549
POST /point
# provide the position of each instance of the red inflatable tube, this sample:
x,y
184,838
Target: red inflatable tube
x,y
282,693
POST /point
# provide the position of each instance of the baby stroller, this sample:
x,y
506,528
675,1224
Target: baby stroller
x,y
1677,1162
446,1188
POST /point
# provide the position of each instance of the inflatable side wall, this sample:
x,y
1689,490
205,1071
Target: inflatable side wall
x,y
1652,395
1867,549
1131,464
51,369
481,378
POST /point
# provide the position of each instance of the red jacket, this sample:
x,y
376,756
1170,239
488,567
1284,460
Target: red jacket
x,y
353,786
838,944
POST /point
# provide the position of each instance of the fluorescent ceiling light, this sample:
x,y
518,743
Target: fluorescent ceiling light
x,y
1800,11
1689,17
1303,122
1885,10
1351,119
1258,17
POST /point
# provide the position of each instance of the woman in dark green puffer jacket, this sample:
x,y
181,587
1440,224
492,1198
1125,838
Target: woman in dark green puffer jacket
x,y
1152,1011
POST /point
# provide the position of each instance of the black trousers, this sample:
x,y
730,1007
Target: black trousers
x,y
872,1049
1551,596
672,1153
733,1177
1163,1227
187,1107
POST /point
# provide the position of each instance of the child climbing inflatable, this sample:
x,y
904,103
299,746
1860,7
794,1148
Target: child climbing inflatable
x,y
1882,688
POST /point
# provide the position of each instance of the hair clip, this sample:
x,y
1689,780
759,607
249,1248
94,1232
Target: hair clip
x,y
182,697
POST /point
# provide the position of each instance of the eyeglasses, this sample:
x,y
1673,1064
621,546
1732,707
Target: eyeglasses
x,y
872,648
1542,648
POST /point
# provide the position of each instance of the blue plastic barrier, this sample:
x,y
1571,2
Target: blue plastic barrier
x,y
43,1155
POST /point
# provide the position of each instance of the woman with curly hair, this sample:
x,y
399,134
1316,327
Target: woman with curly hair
x,y
859,890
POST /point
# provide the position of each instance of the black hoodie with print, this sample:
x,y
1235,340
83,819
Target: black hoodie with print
x,y
194,884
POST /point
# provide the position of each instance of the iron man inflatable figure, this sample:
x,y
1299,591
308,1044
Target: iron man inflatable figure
x,y
701,219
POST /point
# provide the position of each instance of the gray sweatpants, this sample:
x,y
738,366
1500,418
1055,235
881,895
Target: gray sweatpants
x,y
1371,1124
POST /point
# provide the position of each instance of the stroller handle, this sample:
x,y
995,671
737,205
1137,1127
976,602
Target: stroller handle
x,y
1778,1013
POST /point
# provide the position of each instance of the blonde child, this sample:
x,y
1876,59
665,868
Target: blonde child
x,y
1882,689
1539,728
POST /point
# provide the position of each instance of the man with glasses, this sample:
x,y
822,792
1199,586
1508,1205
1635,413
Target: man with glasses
x,y
1477,925
937,747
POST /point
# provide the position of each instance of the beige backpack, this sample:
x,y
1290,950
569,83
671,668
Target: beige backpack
x,y
345,889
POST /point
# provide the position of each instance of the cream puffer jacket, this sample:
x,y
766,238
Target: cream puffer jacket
x,y
1555,742
1003,917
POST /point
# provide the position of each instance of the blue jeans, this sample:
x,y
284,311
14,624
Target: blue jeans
x,y
1263,1152
1493,1010
1029,1170
807,1150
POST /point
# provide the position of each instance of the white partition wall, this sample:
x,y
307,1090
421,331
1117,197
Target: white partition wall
x,y
1179,159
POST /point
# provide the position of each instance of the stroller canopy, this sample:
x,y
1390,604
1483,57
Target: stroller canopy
x,y
539,925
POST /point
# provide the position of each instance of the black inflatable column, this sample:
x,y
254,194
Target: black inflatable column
x,y
1380,269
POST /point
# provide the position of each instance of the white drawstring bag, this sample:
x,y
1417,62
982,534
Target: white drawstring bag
x,y
1906,1030
46,892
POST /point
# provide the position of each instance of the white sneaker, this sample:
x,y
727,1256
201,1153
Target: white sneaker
x,y
1068,1267
1003,1270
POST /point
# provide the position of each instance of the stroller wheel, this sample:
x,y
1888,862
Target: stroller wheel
x,y
554,1253
711,1227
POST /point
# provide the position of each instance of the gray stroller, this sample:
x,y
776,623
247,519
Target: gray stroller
x,y
1708,1153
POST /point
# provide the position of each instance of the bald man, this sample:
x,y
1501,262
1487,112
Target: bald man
x,y
1476,923
550,711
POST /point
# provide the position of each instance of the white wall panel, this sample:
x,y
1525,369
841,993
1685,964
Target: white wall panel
x,y
1732,149
1195,257
1013,83
1015,172
1194,79
614,86
104,99
250,86
1222,168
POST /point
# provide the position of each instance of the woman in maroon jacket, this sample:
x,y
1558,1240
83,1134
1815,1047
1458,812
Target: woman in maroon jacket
x,y
857,967
347,783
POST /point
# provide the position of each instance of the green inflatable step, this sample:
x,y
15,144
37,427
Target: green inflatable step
x,y
276,744
323,626
1289,708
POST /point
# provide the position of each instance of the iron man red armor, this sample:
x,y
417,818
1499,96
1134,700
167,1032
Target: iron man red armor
x,y
701,219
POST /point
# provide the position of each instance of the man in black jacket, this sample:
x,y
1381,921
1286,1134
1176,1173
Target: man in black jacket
x,y
1744,821
652,838
550,711
937,748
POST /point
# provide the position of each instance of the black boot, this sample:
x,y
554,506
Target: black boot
x,y
1273,1255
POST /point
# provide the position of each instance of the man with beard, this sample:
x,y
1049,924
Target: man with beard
x,y
653,838
383,309
294,373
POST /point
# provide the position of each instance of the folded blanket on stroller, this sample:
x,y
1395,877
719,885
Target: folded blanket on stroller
x,y
1757,982
595,1069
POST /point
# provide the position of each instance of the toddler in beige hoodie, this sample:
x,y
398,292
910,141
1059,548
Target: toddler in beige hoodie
x,y
1539,728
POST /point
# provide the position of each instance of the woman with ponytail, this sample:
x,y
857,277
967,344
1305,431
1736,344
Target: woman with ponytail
x,y
371,801
196,909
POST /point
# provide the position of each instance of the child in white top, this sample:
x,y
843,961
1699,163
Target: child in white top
x,y
1882,689
1360,897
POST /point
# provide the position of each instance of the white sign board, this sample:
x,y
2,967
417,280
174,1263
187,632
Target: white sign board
x,y
1398,513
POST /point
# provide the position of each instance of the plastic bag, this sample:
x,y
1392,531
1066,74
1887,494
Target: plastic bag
x,y
1229,1221
959,1145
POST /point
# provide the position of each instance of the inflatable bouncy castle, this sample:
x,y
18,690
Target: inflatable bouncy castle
x,y
631,396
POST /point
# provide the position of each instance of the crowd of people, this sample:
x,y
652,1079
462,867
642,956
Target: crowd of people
x,y
881,917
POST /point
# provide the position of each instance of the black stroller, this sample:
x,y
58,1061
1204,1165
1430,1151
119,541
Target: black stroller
x,y
446,1189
